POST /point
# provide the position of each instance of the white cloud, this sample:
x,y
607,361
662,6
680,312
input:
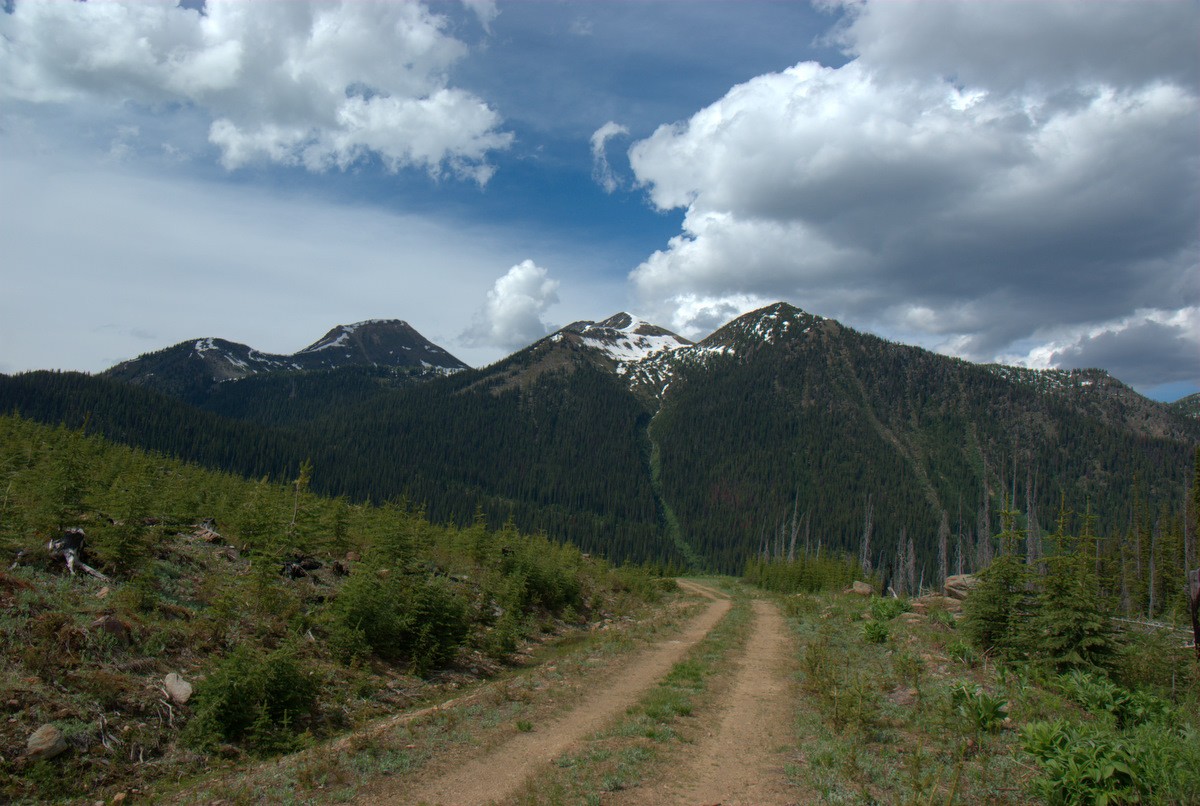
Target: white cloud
x,y
304,83
103,262
512,316
602,172
978,173
485,11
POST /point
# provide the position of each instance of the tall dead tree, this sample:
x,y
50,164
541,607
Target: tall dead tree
x,y
983,545
910,567
864,551
943,549
1033,536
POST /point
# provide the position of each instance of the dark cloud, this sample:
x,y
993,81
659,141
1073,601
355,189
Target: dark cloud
x,y
1145,353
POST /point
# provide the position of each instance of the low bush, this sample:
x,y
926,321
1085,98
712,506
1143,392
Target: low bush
x,y
875,632
255,698
1081,764
886,609
982,711
420,620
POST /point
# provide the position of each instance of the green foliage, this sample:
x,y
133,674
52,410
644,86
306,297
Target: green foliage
x,y
1099,695
1081,764
252,697
422,621
1071,628
996,613
804,574
981,710
875,632
1137,749
962,652
886,608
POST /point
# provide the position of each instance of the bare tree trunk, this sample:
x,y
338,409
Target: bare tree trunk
x,y
911,569
983,546
1154,537
943,549
1033,537
864,552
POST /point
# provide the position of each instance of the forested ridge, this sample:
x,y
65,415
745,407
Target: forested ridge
x,y
789,422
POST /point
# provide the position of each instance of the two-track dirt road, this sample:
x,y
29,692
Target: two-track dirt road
x,y
737,760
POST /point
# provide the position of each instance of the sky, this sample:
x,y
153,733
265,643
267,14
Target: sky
x,y
1001,181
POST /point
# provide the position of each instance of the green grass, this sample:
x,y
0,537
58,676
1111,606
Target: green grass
x,y
923,718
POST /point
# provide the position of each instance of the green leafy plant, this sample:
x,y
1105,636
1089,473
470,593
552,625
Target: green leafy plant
x,y
982,711
962,652
886,609
875,632
1081,764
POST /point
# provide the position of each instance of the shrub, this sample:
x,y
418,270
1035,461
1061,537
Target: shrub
x,y
875,632
885,609
421,620
254,698
962,652
1081,764
984,712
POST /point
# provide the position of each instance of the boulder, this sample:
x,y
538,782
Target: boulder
x,y
959,586
860,588
178,690
45,743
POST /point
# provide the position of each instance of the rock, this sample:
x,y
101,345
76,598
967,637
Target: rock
x,y
959,586
933,601
911,618
178,690
120,797
114,627
103,592
45,743
860,588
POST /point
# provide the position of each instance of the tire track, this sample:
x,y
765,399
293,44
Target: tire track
x,y
501,772
739,761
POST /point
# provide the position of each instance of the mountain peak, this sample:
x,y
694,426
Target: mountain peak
x,y
198,363
765,325
624,337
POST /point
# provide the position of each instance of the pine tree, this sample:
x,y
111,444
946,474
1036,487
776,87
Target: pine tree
x,y
1070,628
995,614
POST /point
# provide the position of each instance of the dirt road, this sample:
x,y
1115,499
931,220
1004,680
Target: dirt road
x,y
739,761
501,772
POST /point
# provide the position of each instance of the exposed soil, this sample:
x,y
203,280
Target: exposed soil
x,y
501,771
740,759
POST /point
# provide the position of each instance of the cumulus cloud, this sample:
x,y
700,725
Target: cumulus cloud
x,y
512,316
976,174
316,84
1151,348
602,172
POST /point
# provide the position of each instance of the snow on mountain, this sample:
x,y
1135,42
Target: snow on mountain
x,y
625,338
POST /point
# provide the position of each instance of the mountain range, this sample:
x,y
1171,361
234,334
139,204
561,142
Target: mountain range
x,y
628,439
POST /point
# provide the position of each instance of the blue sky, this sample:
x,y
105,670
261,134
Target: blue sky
x,y
1000,181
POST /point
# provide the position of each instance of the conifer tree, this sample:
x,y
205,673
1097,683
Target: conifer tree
x,y
1070,628
995,614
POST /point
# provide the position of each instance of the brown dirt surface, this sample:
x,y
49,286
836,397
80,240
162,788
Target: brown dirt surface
x,y
739,761
500,771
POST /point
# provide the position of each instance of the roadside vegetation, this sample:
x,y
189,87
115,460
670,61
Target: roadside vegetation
x,y
291,618
1027,691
